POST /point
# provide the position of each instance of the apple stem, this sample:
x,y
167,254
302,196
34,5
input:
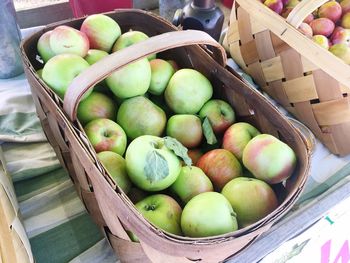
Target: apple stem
x,y
150,207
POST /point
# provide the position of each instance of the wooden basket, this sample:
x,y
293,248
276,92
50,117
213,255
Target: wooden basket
x,y
117,210
309,81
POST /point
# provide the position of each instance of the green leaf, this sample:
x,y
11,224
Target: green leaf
x,y
208,132
156,167
180,150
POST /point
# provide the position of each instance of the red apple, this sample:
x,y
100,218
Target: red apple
x,y
322,26
331,10
305,29
186,128
219,113
195,155
67,40
221,166
269,159
275,5
250,198
101,30
345,6
340,36
106,135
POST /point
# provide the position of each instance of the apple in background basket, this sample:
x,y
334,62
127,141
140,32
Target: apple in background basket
x,y
342,51
106,135
221,166
101,30
96,106
331,10
68,40
237,136
132,80
162,71
269,159
191,182
94,55
306,30
322,26
208,214
44,48
188,90
275,5
340,36
219,113
115,166
345,21
345,6
140,116
60,71
150,164
250,198
186,128
129,38
162,211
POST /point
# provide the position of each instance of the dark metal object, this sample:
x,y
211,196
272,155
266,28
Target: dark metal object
x,y
201,15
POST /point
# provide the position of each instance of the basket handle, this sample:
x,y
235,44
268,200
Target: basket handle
x,y
98,71
319,56
302,10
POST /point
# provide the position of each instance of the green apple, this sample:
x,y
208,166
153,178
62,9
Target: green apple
x,y
191,182
188,90
129,38
237,136
40,73
140,116
220,166
269,159
94,55
44,48
162,71
106,135
115,166
250,198
174,64
186,128
101,30
132,80
162,211
150,164
60,71
96,106
208,214
68,40
219,113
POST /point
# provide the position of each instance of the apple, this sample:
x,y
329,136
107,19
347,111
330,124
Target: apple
x,y
106,135
44,48
309,18
340,35
132,80
275,5
162,211
331,10
96,106
306,30
129,38
188,90
94,55
174,64
221,166
342,51
345,21
269,159
60,71
150,164
322,26
345,6
237,136
162,71
68,40
219,113
250,198
140,116
101,30
40,73
186,128
321,41
195,155
208,214
115,166
191,182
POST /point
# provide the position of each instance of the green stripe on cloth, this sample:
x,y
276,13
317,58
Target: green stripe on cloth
x,y
26,189
66,241
19,123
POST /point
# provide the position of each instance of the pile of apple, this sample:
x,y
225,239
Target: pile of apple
x,y
328,26
167,143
